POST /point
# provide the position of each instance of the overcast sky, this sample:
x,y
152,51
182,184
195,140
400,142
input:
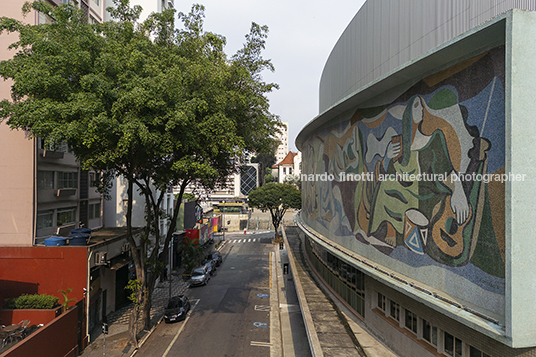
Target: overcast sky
x,y
301,37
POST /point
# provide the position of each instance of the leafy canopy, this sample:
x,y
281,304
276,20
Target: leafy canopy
x,y
276,198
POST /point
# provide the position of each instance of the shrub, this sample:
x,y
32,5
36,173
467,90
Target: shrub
x,y
36,301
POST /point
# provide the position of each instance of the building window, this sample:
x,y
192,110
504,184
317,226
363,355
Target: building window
x,y
45,180
411,321
93,179
429,332
44,219
94,211
66,216
67,180
381,302
474,352
395,311
452,345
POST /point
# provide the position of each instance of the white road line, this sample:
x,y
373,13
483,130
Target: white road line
x,y
234,241
240,241
249,240
261,344
255,239
180,330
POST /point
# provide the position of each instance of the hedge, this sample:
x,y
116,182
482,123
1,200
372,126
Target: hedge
x,y
36,301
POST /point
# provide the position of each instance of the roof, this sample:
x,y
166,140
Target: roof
x,y
288,160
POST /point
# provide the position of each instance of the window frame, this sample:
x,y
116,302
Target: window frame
x,y
394,310
60,211
42,213
67,179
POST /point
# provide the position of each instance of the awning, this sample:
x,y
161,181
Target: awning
x,y
119,262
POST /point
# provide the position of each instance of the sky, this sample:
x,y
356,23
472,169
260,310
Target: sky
x,y
300,39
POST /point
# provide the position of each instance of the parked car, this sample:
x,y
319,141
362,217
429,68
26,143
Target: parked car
x,y
211,266
177,308
216,258
199,276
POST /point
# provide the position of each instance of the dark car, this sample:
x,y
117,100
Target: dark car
x,y
177,308
216,258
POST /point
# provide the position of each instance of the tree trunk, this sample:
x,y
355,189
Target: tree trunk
x,y
133,327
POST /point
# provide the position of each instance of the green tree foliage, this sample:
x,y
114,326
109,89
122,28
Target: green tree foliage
x,y
266,161
276,198
160,107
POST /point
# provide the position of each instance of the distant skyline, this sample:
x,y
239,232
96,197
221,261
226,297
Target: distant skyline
x,y
300,39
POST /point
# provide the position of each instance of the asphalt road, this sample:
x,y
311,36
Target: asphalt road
x,y
230,316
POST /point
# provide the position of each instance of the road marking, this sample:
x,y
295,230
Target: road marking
x,y
270,269
262,308
262,295
180,330
261,344
258,324
249,240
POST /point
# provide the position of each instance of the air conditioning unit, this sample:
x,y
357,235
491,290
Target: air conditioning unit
x,y
100,258
125,248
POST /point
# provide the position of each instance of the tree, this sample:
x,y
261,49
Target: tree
x,y
266,161
276,198
160,107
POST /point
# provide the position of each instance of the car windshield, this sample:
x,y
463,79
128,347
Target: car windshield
x,y
197,273
173,304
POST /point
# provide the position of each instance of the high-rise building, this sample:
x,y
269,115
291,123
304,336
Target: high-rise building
x,y
282,149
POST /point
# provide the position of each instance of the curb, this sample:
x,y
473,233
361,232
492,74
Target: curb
x,y
312,336
147,336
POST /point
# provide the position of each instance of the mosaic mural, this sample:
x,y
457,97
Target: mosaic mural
x,y
420,180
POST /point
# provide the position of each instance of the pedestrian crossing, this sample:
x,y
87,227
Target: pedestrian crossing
x,y
246,240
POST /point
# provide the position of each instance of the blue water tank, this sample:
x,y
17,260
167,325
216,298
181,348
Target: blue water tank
x,y
81,230
54,241
78,238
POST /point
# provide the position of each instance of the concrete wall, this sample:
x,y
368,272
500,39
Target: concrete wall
x,y
57,338
385,34
43,270
461,108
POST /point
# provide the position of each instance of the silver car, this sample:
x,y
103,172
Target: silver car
x,y
199,276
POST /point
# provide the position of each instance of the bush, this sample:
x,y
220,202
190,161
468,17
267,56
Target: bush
x,y
35,301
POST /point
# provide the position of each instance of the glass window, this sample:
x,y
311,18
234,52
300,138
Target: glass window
x,y
411,321
474,352
381,302
94,211
44,219
395,311
66,216
429,332
67,179
45,180
452,345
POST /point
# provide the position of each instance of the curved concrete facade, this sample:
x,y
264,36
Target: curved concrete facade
x,y
385,34
417,175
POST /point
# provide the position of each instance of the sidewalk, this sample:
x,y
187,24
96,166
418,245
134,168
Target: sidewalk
x,y
334,330
117,344
117,339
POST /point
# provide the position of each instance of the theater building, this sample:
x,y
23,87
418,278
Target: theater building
x,y
418,175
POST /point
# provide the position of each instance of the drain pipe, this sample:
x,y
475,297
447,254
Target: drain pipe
x,y
88,286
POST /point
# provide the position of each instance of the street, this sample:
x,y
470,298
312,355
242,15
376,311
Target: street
x,y
230,316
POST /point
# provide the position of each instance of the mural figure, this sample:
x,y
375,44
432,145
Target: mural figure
x,y
417,159
417,197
